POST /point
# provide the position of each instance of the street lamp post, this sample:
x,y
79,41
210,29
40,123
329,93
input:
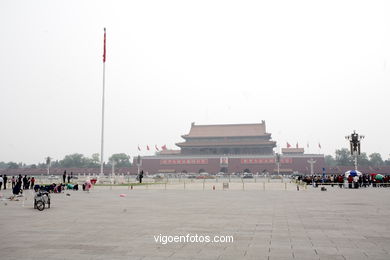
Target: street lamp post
x,y
311,162
113,168
354,143
278,162
48,162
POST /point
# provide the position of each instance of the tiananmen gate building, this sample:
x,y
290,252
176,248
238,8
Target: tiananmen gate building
x,y
230,148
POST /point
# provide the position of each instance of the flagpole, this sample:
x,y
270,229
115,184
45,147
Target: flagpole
x,y
102,137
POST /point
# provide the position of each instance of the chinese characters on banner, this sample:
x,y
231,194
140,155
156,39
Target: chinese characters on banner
x,y
183,161
264,160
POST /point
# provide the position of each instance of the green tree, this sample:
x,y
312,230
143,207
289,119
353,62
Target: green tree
x,y
12,165
330,161
3,165
94,161
96,158
120,159
343,157
55,164
74,160
363,159
376,159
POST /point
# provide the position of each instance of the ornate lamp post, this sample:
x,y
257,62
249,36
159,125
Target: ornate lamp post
x,y
48,163
278,162
311,162
354,142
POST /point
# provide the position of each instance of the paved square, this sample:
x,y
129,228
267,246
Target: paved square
x,y
270,224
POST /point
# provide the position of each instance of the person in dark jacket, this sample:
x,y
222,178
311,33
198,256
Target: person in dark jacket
x,y
64,177
25,182
5,181
17,189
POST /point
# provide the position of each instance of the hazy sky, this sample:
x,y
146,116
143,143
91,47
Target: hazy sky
x,y
313,70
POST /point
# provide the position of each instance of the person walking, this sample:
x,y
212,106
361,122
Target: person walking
x,y
19,180
32,181
1,181
28,183
64,177
13,181
350,180
340,180
5,181
356,182
25,182
141,175
68,178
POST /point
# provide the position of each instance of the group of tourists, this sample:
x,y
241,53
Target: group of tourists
x,y
3,180
20,183
56,187
357,181
67,176
17,182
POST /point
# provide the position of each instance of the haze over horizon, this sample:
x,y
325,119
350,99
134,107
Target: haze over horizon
x,y
314,71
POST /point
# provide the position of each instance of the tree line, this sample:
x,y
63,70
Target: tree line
x,y
75,160
343,157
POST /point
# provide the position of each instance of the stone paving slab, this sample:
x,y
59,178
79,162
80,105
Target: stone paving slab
x,y
271,224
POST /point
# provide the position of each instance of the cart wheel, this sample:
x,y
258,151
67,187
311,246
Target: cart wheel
x,y
40,205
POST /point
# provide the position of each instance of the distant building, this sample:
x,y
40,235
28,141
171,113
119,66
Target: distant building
x,y
230,148
236,139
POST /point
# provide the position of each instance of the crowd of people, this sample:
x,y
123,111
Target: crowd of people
x,y
20,183
357,181
56,187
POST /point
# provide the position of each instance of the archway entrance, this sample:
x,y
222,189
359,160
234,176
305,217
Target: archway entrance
x,y
223,169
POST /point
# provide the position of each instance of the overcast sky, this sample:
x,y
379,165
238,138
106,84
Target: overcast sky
x,y
313,70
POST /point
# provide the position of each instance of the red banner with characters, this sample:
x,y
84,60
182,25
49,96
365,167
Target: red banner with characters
x,y
264,160
183,161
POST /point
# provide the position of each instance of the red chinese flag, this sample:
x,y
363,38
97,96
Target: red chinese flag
x,y
164,147
288,145
104,48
